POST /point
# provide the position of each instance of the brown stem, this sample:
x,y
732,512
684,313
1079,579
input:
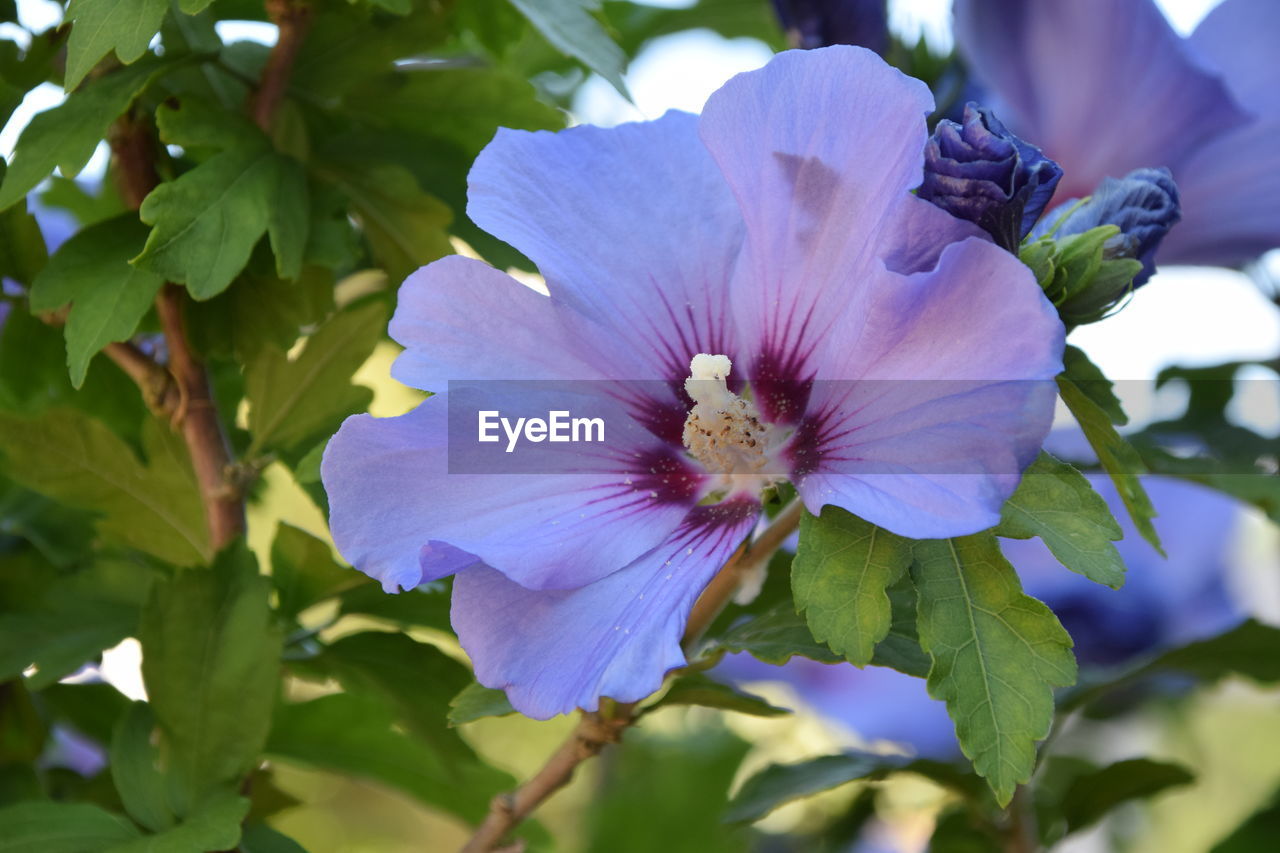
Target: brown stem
x,y
201,426
1020,829
596,729
187,399
292,19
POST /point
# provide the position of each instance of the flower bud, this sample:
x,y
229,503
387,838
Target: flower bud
x,y
980,172
1143,205
821,23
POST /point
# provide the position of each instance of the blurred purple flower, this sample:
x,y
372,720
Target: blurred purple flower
x,y
1164,603
1106,86
776,233
982,173
68,748
820,23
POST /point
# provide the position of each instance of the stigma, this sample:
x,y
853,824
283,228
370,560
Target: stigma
x,y
723,431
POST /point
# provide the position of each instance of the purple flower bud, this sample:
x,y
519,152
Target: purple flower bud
x,y
820,23
980,172
1144,204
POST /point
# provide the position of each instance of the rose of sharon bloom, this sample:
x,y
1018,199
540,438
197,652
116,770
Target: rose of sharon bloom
x,y
1106,86
754,256
1164,603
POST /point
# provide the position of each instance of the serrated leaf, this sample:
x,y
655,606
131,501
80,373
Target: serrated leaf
x,y
698,689
141,787
569,26
211,660
779,784
78,461
195,123
304,571
101,26
1091,796
842,569
1089,378
354,734
1117,457
108,296
1055,502
66,136
417,679
406,227
213,825
997,655
475,702
775,636
291,402
207,221
900,649
49,827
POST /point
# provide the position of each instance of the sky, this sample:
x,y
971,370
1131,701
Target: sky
x,y
1190,316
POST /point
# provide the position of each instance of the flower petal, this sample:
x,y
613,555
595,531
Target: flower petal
x,y
395,506
632,226
820,147
459,318
939,395
556,650
1141,99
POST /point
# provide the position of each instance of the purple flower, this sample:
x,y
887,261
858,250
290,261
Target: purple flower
x,y
1106,86
984,174
1164,603
763,270
820,23
1143,204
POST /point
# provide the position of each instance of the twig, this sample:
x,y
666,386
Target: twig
x,y
596,729
292,20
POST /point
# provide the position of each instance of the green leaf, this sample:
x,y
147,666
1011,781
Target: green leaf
x,y
214,825
48,827
997,654
289,221
569,26
22,731
66,136
22,248
417,680
1092,795
354,734
261,310
775,636
405,227
476,702
698,689
88,204
101,26
900,649
779,784
842,569
1250,649
424,606
1088,377
260,838
72,458
142,788
1055,502
293,402
304,571
211,658
667,779
108,296
1117,456
207,221
193,7
93,708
